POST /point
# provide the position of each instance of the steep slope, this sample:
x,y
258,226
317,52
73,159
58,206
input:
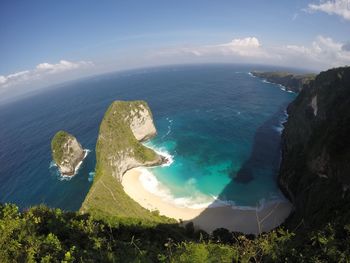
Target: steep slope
x,y
315,168
117,150
292,82
67,152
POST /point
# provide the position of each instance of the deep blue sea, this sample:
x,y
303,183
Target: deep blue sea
x,y
220,125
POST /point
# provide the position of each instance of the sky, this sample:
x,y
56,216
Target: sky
x,y
47,42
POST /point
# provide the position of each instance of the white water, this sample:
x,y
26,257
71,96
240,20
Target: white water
x,y
69,177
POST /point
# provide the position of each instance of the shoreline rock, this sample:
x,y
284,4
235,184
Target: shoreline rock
x,y
67,153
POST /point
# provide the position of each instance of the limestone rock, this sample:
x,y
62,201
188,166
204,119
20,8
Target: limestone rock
x,y
67,152
118,148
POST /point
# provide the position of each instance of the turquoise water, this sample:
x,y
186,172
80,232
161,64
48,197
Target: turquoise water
x,y
225,145
220,125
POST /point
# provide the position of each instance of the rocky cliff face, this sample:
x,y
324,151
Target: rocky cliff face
x,y
123,126
118,149
141,123
67,152
292,82
315,168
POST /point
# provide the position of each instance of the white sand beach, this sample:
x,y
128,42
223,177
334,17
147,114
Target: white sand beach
x,y
250,221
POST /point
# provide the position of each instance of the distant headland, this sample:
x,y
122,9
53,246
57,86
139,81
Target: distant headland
x,y
290,81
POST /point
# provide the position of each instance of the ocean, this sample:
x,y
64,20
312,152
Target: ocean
x,y
219,125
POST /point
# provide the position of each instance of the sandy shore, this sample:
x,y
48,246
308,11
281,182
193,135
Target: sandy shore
x,y
210,218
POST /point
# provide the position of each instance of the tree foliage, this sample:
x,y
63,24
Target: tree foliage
x,y
41,234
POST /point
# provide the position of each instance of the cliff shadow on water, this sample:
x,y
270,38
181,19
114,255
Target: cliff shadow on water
x,y
266,153
262,164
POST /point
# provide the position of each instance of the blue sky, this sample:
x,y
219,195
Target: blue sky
x,y
49,41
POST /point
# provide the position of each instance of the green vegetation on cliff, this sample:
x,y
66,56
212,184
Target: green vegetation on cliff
x,y
292,82
57,142
116,137
117,150
41,234
67,152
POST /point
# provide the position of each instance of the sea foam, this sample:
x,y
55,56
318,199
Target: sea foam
x,y
198,200
283,88
283,119
151,184
251,74
62,177
91,176
163,152
170,123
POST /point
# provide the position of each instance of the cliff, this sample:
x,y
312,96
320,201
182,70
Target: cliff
x,y
315,167
118,149
314,174
292,82
67,152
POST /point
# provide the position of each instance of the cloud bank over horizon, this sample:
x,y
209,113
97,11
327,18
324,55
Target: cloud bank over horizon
x,y
322,53
42,71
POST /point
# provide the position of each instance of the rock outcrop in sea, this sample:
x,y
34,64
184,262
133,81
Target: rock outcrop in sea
x,y
118,149
67,152
124,125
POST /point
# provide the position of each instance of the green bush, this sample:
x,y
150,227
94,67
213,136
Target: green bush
x,y
41,234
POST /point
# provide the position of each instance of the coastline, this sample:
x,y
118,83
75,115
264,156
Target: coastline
x,y
76,169
86,152
264,80
248,221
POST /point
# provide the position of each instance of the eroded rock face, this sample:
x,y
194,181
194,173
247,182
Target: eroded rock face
x,y
315,168
118,148
67,152
141,123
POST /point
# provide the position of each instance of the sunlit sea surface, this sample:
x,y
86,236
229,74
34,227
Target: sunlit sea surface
x,y
220,126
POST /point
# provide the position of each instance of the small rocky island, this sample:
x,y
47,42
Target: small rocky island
x,y
67,152
291,82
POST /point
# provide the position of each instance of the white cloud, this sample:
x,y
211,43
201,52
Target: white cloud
x,y
2,79
249,46
241,47
248,42
63,65
333,7
322,53
42,71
